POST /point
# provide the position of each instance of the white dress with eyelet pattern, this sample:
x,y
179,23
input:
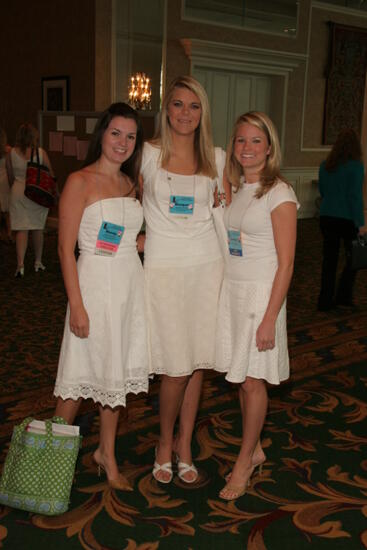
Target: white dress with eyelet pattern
x,y
183,269
246,289
113,360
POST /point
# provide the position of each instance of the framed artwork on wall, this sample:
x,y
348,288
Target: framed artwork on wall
x,y
55,93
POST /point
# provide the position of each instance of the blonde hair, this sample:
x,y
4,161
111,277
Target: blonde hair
x,y
203,144
271,171
27,136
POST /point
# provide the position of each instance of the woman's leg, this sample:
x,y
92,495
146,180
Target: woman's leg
x,y
258,456
67,409
188,412
105,453
344,293
21,243
255,407
171,395
37,235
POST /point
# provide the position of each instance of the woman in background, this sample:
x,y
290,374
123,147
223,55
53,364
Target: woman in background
x,y
26,215
4,188
103,354
341,216
251,329
183,265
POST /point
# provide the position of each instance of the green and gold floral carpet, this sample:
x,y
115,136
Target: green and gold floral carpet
x,y
313,489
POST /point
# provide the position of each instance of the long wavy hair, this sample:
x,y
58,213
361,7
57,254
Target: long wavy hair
x,y
346,147
271,171
203,143
27,136
131,167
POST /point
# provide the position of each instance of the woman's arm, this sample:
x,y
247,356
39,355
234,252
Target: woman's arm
x,y
46,161
284,222
71,207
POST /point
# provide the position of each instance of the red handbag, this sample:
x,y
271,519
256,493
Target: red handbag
x,y
40,185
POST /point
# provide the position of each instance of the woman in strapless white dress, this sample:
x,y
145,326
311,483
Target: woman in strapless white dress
x,y
104,352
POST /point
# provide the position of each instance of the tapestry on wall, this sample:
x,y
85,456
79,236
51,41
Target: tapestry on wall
x,y
346,77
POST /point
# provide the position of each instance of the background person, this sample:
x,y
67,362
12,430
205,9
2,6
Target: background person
x,y
4,188
341,216
251,329
103,354
26,215
183,265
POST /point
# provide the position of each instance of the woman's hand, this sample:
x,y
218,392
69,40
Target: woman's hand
x,y
265,335
79,322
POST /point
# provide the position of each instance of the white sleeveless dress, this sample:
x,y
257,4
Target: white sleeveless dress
x,y
24,213
113,360
183,269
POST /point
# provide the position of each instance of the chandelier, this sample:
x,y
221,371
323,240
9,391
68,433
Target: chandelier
x,y
140,92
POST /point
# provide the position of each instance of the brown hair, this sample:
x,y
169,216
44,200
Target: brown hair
x,y
27,136
271,171
346,147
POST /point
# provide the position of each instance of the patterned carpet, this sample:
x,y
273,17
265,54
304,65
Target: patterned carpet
x,y
313,489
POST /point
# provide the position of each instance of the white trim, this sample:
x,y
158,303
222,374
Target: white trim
x,y
339,9
238,54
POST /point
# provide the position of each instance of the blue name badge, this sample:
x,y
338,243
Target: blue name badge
x,y
109,238
234,243
181,204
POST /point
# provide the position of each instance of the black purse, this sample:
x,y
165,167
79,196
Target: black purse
x,y
358,253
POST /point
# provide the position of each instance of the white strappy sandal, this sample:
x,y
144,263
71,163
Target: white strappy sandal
x,y
184,468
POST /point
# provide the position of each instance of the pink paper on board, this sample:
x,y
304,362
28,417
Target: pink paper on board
x,y
55,141
70,146
81,148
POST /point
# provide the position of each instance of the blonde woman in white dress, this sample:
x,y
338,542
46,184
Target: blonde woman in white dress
x,y
26,215
183,265
104,351
251,330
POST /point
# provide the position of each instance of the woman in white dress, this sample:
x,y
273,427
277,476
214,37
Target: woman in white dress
x,y
251,330
104,353
26,215
183,265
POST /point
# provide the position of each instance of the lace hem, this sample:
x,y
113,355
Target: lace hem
x,y
112,398
197,366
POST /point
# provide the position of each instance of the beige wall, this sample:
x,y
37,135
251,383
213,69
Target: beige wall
x,y
39,39
306,89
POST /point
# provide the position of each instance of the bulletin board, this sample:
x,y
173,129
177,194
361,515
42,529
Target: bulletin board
x,y
65,136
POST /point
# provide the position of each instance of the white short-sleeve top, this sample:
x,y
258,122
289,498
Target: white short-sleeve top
x,y
173,239
252,217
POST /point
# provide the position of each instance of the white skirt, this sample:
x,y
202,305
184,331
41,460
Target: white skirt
x,y
182,305
242,306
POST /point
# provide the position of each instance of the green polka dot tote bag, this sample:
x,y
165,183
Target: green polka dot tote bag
x,y
39,468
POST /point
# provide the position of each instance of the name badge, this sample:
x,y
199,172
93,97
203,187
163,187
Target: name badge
x,y
234,243
181,204
109,238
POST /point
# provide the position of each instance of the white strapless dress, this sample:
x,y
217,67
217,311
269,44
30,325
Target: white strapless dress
x,y
113,360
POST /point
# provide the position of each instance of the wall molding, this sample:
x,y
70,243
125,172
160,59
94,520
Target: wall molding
x,y
339,9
